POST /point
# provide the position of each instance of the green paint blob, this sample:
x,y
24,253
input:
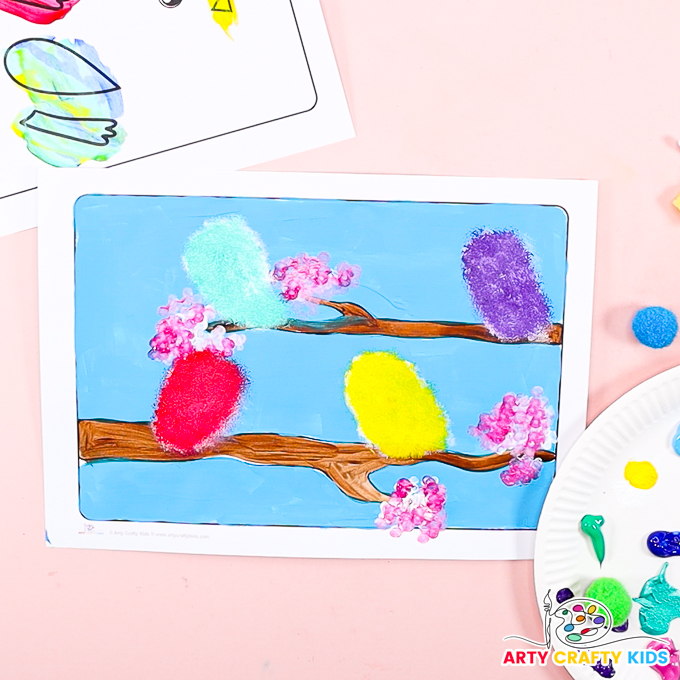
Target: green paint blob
x,y
659,604
228,263
591,525
613,595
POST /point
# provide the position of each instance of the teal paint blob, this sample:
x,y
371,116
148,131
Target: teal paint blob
x,y
676,441
228,263
659,604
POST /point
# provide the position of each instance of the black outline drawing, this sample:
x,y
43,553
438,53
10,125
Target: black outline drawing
x,y
57,7
214,7
105,137
171,4
230,132
109,131
246,127
115,87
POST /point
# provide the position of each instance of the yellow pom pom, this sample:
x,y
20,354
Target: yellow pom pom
x,y
395,409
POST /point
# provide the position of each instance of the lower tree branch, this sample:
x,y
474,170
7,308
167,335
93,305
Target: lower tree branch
x,y
347,464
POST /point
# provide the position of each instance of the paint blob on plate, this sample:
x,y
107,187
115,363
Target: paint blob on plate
x,y
664,543
591,525
641,474
676,441
659,604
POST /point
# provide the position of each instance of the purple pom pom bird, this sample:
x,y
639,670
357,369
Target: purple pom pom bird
x,y
504,286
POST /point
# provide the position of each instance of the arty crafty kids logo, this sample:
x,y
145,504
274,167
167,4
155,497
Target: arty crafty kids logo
x,y
583,633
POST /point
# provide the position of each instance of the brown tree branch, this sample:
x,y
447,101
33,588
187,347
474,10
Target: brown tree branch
x,y
347,464
345,308
355,320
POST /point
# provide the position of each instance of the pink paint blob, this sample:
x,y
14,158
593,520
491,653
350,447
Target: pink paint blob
x,y
39,11
672,670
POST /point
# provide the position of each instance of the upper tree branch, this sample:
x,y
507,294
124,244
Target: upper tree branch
x,y
347,464
355,320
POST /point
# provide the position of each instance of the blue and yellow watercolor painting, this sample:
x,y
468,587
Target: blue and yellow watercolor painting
x,y
401,263
75,101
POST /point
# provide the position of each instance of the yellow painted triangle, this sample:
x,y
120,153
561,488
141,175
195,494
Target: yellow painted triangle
x,y
224,13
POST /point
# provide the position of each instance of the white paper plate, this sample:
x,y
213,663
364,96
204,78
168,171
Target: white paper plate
x,y
639,426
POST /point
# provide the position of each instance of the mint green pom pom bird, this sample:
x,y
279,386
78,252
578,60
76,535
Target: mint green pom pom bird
x,y
228,263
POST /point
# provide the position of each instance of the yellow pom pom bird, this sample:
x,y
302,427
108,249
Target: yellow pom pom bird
x,y
395,409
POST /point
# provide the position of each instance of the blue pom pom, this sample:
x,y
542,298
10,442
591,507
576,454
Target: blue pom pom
x,y
655,326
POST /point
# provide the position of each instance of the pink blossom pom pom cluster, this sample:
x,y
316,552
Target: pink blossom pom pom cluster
x,y
522,471
414,506
519,424
305,276
183,328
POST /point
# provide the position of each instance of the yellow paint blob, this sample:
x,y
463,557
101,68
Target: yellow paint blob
x,y
224,13
395,409
641,475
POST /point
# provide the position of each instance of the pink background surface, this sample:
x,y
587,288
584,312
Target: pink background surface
x,y
488,88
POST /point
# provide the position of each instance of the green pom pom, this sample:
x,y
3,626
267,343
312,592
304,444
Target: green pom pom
x,y
613,595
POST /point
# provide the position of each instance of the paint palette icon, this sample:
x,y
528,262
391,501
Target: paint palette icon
x,y
583,621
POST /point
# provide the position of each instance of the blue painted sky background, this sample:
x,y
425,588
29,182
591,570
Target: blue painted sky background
x,y
128,260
